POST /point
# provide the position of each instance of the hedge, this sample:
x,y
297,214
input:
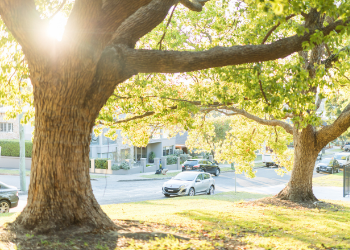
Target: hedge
x,y
101,163
11,148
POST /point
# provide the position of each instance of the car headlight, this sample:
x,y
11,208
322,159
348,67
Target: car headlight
x,y
182,187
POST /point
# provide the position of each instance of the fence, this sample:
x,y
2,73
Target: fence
x,y
346,180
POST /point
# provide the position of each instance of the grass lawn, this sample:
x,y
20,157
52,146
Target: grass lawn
x,y
334,180
214,221
12,172
224,221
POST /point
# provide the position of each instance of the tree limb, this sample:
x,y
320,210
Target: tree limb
x,y
137,117
142,21
155,61
334,57
113,14
274,28
194,5
287,127
166,28
23,20
337,128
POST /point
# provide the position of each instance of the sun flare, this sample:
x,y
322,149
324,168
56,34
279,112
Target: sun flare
x,y
56,26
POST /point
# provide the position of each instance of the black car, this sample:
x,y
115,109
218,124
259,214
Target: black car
x,y
201,165
8,197
329,165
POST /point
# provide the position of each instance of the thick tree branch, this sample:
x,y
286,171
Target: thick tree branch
x,y
113,14
287,127
333,131
23,20
154,61
82,24
194,5
142,21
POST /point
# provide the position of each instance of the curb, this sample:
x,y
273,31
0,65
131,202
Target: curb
x,y
150,179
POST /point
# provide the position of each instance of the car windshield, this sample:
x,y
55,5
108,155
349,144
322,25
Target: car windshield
x,y
186,176
4,186
191,162
326,161
340,157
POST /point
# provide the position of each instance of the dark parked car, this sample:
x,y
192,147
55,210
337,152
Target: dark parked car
x,y
202,165
8,197
329,165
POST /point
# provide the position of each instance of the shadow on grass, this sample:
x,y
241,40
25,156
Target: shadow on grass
x,y
269,226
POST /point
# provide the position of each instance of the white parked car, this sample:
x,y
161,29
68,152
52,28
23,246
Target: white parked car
x,y
189,183
342,158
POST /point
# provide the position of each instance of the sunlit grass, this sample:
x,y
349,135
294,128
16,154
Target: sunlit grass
x,y
332,180
12,172
221,217
213,221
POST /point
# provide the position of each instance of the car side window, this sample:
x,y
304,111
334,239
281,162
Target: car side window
x,y
200,177
206,176
210,163
204,162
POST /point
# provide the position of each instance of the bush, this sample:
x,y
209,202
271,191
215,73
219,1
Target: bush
x,y
11,148
151,157
124,166
115,167
171,159
184,158
101,163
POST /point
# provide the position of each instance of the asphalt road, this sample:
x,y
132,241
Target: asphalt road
x,y
110,191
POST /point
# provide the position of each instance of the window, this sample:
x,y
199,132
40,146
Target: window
x,y
6,127
168,150
200,177
206,176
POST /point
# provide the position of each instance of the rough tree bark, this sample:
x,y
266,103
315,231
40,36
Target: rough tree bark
x,y
74,78
299,187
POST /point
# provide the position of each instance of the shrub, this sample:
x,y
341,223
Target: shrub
x,y
184,158
101,163
151,157
171,159
115,167
11,148
124,166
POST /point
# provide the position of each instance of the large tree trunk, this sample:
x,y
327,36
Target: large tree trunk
x,y
60,193
299,187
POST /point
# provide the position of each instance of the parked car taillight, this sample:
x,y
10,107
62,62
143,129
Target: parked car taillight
x,y
196,166
183,166
17,193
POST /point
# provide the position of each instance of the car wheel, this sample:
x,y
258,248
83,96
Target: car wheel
x,y
211,190
4,206
191,192
317,171
217,172
167,195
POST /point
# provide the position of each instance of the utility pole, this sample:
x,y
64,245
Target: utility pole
x,y
22,155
